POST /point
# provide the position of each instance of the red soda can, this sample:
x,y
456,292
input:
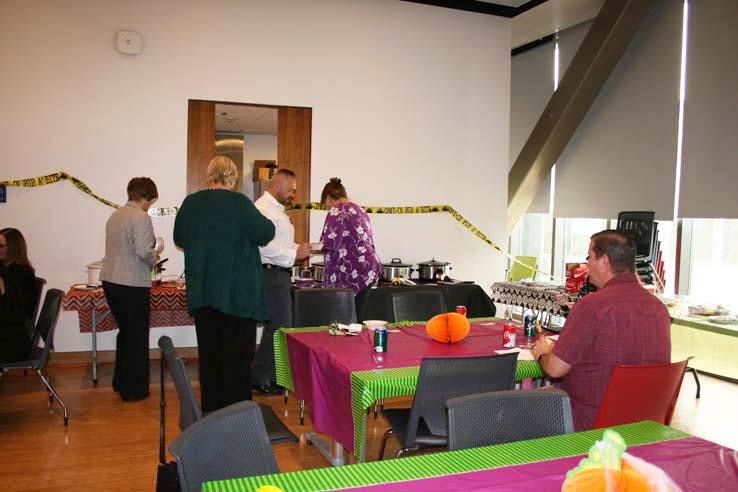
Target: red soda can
x,y
508,335
461,310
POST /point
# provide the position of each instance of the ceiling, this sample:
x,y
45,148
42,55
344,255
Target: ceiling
x,y
546,17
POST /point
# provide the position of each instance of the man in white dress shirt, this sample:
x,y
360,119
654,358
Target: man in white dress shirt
x,y
277,259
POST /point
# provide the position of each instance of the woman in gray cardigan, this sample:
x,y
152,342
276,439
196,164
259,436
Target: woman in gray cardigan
x,y
130,252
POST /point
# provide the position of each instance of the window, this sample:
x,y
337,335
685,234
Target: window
x,y
713,260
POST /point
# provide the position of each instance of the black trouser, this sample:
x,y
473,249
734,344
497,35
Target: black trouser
x,y
225,345
131,307
277,291
15,343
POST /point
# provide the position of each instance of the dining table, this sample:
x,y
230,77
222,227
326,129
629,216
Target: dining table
x,y
168,308
536,465
340,377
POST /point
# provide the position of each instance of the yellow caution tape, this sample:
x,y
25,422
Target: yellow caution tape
x,y
165,211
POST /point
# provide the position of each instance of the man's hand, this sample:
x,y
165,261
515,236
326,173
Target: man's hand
x,y
550,363
2,287
541,346
303,251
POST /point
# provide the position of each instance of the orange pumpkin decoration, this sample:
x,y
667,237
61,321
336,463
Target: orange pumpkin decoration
x,y
448,327
595,480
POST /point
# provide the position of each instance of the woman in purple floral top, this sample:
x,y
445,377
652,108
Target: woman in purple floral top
x,y
350,259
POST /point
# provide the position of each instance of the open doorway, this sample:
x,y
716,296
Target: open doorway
x,y
252,135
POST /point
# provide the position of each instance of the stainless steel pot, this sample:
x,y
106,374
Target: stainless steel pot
x,y
318,268
396,269
433,270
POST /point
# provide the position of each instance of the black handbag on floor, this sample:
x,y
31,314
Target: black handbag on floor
x,y
167,479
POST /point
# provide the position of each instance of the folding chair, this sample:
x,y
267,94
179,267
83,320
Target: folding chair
x,y
229,443
425,424
505,416
44,336
643,392
414,305
189,408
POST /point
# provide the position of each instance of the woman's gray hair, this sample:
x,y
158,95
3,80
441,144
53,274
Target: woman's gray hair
x,y
222,171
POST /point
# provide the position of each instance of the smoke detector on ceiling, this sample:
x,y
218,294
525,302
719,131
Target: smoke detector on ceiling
x,y
128,42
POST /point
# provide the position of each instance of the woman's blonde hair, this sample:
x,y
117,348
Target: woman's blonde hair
x,y
222,171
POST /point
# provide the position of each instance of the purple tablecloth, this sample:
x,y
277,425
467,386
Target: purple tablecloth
x,y
694,464
322,364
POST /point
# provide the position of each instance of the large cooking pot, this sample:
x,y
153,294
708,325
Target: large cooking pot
x,y
433,270
318,268
396,269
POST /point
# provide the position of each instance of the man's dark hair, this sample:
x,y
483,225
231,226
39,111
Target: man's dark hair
x,y
618,247
287,172
142,189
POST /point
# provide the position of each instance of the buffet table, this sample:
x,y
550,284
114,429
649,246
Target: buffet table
x,y
168,308
712,345
374,303
696,465
339,377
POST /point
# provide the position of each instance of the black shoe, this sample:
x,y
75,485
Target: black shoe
x,y
267,389
134,397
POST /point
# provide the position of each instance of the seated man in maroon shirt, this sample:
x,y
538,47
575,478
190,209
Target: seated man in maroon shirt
x,y
621,323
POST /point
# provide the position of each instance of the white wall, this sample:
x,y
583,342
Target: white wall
x,y
410,106
256,148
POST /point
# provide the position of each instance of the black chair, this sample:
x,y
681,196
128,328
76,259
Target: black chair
x,y
229,443
43,340
319,307
189,408
442,378
417,305
38,289
505,416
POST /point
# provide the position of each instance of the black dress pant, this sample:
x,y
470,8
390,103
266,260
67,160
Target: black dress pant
x,y
277,290
131,308
225,345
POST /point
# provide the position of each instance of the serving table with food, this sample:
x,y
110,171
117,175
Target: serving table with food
x,y
707,332
339,377
168,308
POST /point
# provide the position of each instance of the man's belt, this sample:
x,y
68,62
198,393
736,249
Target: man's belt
x,y
269,266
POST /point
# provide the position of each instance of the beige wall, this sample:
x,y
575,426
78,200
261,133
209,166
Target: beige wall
x,y
410,106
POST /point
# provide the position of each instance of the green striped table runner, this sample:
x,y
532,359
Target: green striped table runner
x,y
446,463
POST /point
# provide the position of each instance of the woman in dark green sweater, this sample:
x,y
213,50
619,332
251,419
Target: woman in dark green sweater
x,y
220,231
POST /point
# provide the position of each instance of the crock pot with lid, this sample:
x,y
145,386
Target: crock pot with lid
x,y
433,270
396,269
317,268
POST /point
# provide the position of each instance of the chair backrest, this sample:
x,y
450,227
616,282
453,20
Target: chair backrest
x,y
318,307
506,416
229,443
644,392
417,305
189,408
526,270
38,289
441,378
45,328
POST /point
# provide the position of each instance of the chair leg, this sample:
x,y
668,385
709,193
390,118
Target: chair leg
x,y
302,412
286,394
376,409
45,379
696,380
381,405
384,443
